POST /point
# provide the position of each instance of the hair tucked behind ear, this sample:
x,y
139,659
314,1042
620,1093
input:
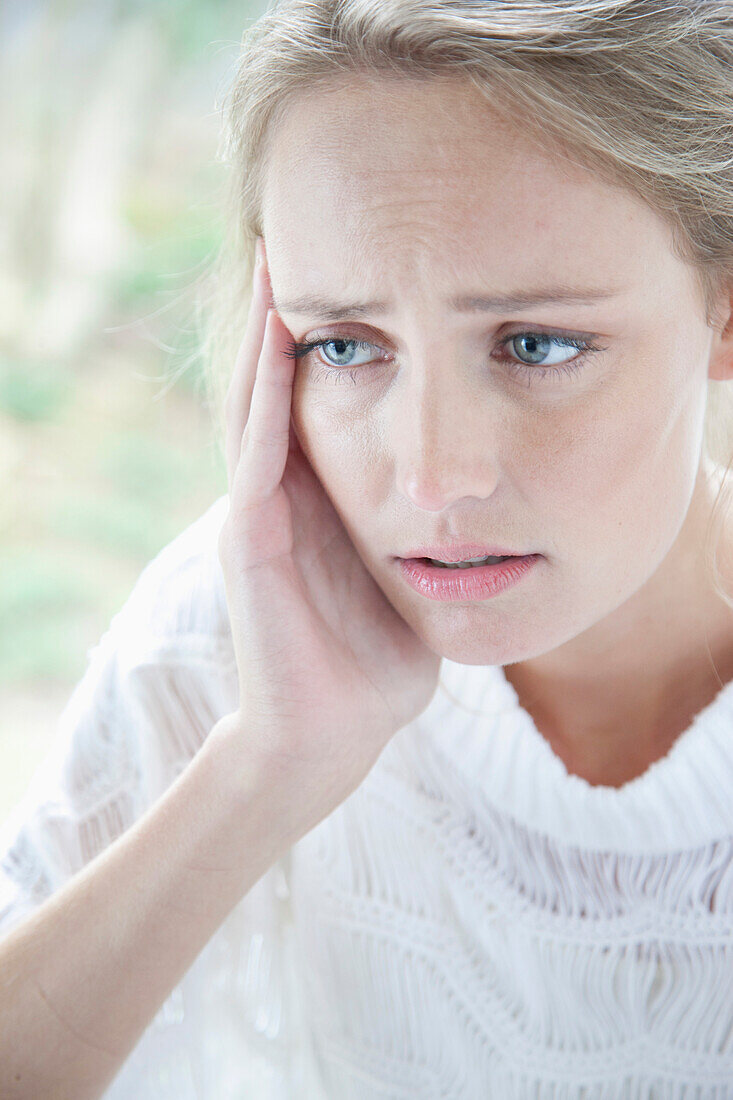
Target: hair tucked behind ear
x,y
638,91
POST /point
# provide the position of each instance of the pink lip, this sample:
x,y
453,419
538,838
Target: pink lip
x,y
480,582
460,552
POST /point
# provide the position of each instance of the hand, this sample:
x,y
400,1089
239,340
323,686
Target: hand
x,y
328,670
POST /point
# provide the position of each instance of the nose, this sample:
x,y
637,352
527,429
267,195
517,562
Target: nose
x,y
443,441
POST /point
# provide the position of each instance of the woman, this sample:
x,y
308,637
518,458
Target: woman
x,y
329,817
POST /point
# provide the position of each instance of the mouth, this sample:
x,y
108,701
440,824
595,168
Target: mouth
x,y
489,559
467,580
461,555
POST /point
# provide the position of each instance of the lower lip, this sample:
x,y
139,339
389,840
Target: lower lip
x,y
477,583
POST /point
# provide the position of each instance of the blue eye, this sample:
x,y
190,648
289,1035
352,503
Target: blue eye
x,y
344,351
335,372
538,342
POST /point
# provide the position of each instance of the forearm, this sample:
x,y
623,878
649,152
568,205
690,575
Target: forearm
x,y
83,976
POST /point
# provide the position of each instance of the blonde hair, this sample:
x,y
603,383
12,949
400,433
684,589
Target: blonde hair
x,y
638,91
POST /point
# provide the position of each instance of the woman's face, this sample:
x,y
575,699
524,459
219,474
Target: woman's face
x,y
441,430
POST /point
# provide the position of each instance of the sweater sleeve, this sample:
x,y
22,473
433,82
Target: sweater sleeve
x,y
140,712
86,792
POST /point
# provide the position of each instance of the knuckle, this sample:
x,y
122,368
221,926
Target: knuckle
x,y
282,438
271,441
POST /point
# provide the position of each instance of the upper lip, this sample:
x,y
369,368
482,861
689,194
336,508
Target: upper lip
x,y
460,552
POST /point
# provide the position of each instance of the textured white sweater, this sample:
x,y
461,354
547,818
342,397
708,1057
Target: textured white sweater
x,y
472,922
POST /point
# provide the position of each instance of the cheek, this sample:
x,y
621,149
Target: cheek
x,y
307,416
620,468
341,446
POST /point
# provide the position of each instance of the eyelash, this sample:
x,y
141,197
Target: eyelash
x,y
572,366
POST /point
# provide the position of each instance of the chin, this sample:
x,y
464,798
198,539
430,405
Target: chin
x,y
469,647
471,654
503,643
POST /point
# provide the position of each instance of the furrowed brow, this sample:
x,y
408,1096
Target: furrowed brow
x,y
316,306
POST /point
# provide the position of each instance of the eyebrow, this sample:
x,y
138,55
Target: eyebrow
x,y
313,305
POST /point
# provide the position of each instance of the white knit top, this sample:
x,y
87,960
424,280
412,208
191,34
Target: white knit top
x,y
472,922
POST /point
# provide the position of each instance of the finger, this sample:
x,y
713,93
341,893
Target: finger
x,y
266,438
242,380
239,393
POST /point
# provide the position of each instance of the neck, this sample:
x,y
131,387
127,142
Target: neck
x,y
613,700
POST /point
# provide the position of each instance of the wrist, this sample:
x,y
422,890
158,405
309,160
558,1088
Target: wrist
x,y
247,788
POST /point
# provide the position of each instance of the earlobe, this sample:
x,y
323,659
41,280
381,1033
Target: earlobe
x,y
721,360
721,355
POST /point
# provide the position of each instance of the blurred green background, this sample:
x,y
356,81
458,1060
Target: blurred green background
x,y
110,211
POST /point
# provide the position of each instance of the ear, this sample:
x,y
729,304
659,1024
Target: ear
x,y
721,353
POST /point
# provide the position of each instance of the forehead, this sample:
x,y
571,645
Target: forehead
x,y
419,172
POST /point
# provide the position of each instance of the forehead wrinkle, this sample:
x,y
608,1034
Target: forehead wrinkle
x,y
513,301
366,217
394,240
416,238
